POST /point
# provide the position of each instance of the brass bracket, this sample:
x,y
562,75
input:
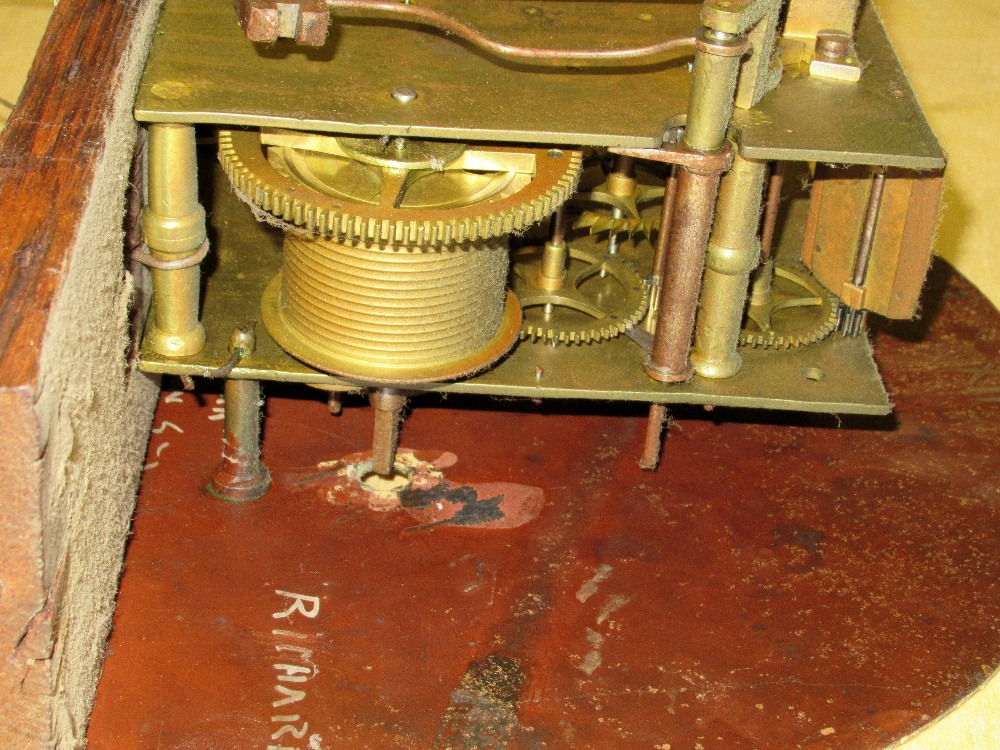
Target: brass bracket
x,y
699,162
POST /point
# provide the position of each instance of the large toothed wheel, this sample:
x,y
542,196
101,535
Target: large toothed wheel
x,y
397,192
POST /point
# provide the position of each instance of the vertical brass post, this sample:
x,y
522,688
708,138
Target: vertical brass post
x,y
552,273
173,225
733,252
241,475
621,182
713,88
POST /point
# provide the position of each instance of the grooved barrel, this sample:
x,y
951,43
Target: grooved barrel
x,y
371,308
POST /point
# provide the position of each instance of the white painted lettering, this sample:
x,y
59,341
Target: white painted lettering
x,y
293,696
298,605
297,733
294,673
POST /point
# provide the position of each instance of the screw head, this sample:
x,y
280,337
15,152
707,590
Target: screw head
x,y
833,44
405,94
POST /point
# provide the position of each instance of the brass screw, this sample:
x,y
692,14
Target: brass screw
x,y
405,94
833,44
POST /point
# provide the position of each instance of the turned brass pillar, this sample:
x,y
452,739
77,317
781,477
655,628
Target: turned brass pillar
x,y
733,252
173,225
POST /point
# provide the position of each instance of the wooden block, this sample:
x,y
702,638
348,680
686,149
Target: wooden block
x,y
904,234
75,413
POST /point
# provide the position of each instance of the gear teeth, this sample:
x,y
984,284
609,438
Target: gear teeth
x,y
607,328
822,327
329,219
597,223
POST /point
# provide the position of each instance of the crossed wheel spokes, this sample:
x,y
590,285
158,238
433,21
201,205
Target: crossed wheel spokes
x,y
799,312
601,298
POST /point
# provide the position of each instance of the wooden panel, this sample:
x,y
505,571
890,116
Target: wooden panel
x,y
807,17
73,417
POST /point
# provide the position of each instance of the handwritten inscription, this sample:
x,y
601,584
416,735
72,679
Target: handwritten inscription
x,y
160,430
219,410
293,669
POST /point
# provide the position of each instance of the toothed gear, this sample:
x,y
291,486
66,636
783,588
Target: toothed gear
x,y
589,308
597,223
343,189
620,214
800,311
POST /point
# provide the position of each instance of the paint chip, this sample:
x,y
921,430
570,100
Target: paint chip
x,y
612,605
589,588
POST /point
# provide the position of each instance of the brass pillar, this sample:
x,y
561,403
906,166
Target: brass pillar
x,y
552,273
173,226
733,252
713,88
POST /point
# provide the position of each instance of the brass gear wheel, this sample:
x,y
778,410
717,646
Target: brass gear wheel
x,y
398,193
607,209
799,312
602,298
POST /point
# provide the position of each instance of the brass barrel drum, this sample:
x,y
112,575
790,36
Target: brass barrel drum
x,y
395,255
385,315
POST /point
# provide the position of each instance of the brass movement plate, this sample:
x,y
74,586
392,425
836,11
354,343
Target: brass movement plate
x,y
837,375
202,69
875,121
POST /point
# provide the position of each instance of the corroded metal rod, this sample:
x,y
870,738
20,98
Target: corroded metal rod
x,y
760,293
774,183
653,446
335,403
388,404
666,217
713,89
669,361
867,238
241,475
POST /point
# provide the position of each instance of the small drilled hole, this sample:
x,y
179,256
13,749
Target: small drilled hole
x,y
555,153
813,373
399,479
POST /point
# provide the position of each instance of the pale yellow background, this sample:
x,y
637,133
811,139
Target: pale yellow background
x,y
950,50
